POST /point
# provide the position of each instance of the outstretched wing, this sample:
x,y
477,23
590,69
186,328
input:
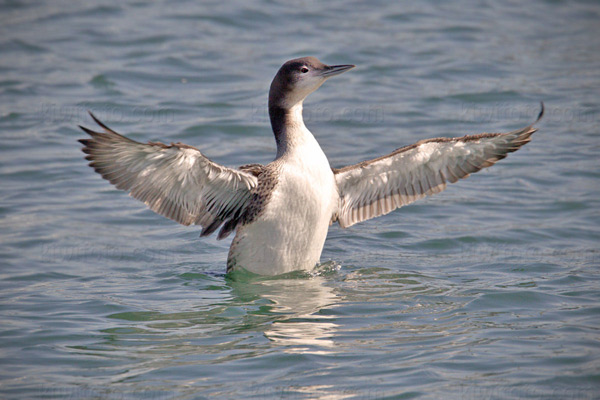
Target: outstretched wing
x,y
376,187
175,180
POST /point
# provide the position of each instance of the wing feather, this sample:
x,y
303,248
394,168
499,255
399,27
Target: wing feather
x,y
176,181
376,187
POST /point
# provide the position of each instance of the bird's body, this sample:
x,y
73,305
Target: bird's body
x,y
281,212
297,215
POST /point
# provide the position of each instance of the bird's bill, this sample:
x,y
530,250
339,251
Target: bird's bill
x,y
332,70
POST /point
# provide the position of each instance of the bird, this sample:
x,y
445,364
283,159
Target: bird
x,y
281,212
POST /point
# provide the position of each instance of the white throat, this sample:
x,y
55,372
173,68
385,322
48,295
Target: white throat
x,y
295,134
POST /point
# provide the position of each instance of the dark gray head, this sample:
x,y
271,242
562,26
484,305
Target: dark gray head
x,y
298,78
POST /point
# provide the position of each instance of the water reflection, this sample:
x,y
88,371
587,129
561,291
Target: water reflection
x,y
302,322
211,322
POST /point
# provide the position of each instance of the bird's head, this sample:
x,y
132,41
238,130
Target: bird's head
x,y
298,78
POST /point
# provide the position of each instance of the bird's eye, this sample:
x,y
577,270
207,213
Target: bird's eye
x,y
304,70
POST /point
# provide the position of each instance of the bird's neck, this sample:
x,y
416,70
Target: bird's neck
x,y
289,129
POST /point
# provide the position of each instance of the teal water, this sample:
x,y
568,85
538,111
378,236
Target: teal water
x,y
488,290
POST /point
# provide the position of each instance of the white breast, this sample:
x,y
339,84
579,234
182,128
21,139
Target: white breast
x,y
290,232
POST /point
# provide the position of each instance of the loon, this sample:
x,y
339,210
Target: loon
x,y
281,212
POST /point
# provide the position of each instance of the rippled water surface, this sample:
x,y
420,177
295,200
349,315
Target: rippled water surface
x,y
488,290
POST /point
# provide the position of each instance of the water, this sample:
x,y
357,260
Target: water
x,y
488,290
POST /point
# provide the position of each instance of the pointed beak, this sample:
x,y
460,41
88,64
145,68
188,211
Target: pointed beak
x,y
332,70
